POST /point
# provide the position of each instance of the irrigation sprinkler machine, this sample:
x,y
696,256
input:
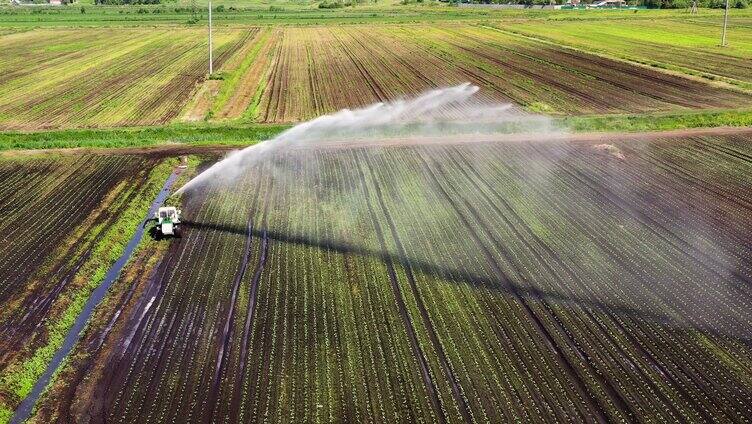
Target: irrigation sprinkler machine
x,y
168,220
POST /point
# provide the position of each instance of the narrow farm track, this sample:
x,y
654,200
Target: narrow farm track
x,y
469,281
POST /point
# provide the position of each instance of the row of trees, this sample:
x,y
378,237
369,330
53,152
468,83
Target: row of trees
x,y
681,4
652,4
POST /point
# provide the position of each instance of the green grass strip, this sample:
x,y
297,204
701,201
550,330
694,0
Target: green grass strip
x,y
5,415
659,122
252,112
234,134
202,134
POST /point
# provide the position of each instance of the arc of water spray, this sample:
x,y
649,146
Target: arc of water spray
x,y
395,113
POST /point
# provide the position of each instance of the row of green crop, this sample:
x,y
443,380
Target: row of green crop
x,y
620,388
54,200
147,80
440,284
539,75
621,251
290,311
303,78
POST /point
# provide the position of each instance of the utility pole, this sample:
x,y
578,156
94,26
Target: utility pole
x,y
725,24
211,69
693,10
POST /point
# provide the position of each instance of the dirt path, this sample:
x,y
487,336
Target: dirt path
x,y
590,137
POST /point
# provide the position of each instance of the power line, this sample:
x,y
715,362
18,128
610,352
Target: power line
x,y
725,24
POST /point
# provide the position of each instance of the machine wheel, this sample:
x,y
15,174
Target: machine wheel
x,y
178,232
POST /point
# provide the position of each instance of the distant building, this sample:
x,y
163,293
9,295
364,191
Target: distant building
x,y
56,2
609,3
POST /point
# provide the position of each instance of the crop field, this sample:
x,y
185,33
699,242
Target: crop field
x,y
68,78
446,282
63,220
99,78
441,213
312,71
686,45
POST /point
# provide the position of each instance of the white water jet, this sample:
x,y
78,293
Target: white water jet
x,y
428,113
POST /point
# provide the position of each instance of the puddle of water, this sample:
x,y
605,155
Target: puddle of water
x,y
27,405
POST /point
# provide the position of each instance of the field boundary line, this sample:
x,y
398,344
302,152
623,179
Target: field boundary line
x,y
584,137
176,149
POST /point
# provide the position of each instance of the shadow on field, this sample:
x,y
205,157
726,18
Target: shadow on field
x,y
449,274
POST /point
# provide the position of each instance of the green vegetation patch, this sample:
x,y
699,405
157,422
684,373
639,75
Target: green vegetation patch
x,y
233,77
205,134
140,137
659,122
691,46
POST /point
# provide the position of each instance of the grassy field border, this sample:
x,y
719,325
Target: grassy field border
x,y
233,133
290,14
192,134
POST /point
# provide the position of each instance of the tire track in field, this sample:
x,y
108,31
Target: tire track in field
x,y
566,363
433,336
235,402
417,351
224,347
145,331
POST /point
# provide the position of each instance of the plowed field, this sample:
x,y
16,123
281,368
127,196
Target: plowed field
x,y
312,71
